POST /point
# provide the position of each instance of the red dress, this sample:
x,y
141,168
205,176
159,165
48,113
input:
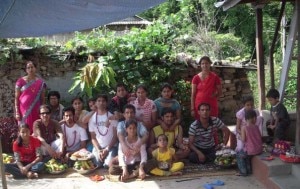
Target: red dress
x,y
205,90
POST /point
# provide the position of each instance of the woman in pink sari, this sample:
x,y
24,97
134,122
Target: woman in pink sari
x,y
29,95
206,87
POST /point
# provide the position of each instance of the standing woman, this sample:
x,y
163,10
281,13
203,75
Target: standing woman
x,y
29,95
206,88
27,153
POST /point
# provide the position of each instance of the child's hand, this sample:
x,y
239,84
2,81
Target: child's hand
x,y
103,154
126,150
184,147
137,146
271,126
164,126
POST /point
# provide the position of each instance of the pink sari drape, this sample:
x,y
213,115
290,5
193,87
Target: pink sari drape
x,y
30,100
205,90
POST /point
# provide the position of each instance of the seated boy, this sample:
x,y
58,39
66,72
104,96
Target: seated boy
x,y
118,102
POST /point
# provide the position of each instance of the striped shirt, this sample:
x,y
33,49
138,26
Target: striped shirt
x,y
204,137
144,111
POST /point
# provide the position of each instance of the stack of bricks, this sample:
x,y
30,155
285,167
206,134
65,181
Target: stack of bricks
x,y
235,86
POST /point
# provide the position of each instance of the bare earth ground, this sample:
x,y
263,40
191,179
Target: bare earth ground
x,y
231,182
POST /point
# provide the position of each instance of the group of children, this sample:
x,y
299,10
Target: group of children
x,y
249,129
132,135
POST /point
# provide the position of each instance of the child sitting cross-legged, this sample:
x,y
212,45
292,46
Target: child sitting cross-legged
x,y
164,158
130,165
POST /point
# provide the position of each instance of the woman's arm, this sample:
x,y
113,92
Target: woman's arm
x,y
177,120
153,119
43,98
17,105
180,139
86,118
193,95
152,142
238,126
218,91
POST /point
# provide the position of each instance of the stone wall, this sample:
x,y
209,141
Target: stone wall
x,y
58,76
235,86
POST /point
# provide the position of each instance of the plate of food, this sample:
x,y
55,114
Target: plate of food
x,y
7,158
57,172
54,167
225,158
81,155
290,158
84,167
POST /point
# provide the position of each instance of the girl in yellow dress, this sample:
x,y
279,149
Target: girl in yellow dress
x,y
165,158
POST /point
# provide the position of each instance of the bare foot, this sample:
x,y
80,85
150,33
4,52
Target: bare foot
x,y
123,179
35,175
176,173
29,175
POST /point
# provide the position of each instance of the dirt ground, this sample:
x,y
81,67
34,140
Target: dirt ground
x,y
230,182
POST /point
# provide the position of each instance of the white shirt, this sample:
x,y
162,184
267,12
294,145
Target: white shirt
x,y
132,158
73,136
97,124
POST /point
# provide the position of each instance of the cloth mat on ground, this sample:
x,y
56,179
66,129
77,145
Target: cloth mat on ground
x,y
191,171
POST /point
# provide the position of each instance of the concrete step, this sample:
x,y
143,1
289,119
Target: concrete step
x,y
285,182
271,168
265,170
296,171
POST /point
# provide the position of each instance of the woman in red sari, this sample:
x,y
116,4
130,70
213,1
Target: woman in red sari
x,y
206,87
29,95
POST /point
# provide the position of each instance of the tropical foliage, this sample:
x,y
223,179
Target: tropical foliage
x,y
195,27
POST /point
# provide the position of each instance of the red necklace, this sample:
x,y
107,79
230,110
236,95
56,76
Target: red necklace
x,y
74,133
102,134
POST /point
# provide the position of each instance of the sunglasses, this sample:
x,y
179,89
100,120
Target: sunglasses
x,y
44,113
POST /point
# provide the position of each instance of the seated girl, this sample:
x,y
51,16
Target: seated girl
x,y
165,159
27,153
130,165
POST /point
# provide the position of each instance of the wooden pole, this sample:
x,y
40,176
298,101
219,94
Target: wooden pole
x,y
297,142
260,58
4,184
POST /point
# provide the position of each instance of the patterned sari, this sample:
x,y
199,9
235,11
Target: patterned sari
x,y
30,100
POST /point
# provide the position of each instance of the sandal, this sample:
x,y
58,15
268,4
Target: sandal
x,y
217,183
208,186
97,178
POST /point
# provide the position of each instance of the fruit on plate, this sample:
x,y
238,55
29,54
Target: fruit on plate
x,y
84,165
82,154
54,166
7,158
225,161
225,157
